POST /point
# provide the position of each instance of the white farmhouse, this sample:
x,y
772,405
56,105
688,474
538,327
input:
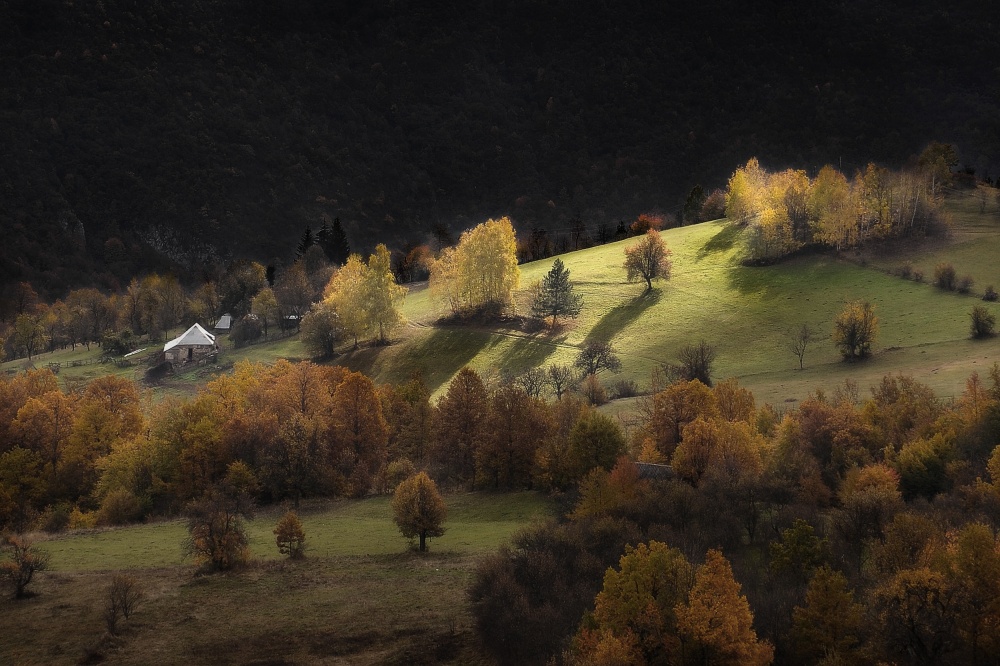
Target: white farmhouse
x,y
194,344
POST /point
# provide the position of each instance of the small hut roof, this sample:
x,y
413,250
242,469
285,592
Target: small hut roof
x,y
225,322
194,336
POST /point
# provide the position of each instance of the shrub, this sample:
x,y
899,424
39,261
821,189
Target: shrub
x,y
594,391
55,518
983,323
159,371
24,562
82,520
118,508
965,284
918,276
118,343
290,536
624,388
990,294
944,276
905,271
398,471
246,331
123,597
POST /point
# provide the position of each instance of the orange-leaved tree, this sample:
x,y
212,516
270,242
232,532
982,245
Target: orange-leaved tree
x,y
418,508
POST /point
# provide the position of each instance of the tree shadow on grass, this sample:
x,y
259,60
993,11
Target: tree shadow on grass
x,y
720,242
620,316
524,353
441,354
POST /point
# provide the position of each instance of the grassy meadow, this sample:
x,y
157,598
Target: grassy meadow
x,y
360,596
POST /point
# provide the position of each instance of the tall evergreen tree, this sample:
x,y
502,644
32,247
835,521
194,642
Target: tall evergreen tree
x,y
308,240
555,296
333,240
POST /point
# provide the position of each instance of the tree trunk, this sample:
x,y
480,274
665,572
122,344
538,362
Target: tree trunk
x,y
423,540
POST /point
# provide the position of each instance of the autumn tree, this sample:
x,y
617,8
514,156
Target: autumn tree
x,y
595,441
716,623
418,509
638,605
460,426
648,260
290,537
242,281
217,532
384,296
265,306
516,424
480,274
293,293
555,296
366,297
21,487
983,322
830,623
29,334
359,431
855,330
322,330
695,362
561,379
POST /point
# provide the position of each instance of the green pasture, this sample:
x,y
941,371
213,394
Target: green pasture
x,y
477,522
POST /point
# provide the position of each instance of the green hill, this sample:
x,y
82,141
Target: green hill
x,y
745,312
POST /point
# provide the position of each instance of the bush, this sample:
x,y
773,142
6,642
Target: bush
x,y
82,520
990,294
290,537
905,271
118,343
594,391
55,518
624,388
398,471
246,331
119,507
983,323
944,276
965,284
918,276
123,597
159,371
24,562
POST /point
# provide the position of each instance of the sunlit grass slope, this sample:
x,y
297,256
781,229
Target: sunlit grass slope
x,y
746,313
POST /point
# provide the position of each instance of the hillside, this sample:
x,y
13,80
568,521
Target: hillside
x,y
745,312
180,133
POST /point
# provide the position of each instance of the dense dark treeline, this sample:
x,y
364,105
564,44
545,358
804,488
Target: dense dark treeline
x,y
180,131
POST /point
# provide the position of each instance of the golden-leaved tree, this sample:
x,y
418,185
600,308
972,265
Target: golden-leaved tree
x,y
480,274
366,297
716,622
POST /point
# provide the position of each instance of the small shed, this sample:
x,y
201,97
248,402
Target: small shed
x,y
225,323
194,344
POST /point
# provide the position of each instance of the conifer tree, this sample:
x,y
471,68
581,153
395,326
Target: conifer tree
x,y
555,295
307,241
